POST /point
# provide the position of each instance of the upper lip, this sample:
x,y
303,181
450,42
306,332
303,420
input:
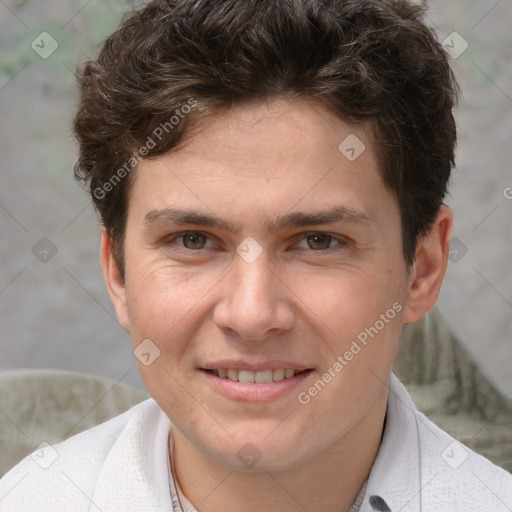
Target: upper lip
x,y
254,366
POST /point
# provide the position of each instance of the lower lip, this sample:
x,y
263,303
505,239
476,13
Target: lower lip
x,y
255,392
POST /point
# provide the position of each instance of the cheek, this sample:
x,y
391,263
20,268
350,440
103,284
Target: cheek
x,y
361,316
163,301
167,307
348,300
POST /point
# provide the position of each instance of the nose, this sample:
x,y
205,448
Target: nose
x,y
255,302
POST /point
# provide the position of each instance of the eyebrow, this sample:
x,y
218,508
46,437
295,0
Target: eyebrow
x,y
289,220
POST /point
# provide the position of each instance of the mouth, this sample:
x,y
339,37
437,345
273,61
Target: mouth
x,y
258,384
256,377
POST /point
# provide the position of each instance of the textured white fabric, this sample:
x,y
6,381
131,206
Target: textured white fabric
x,y
122,466
420,467
119,466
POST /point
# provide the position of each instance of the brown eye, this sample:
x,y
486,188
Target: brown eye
x,y
319,242
194,240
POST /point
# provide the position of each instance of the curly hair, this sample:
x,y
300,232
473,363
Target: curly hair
x,y
172,64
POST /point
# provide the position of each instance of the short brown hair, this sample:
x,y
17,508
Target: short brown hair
x,y
372,61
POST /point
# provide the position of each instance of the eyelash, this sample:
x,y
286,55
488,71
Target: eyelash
x,y
341,241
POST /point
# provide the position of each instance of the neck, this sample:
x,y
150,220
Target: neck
x,y
331,480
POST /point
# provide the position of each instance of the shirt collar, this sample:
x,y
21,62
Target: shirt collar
x,y
394,481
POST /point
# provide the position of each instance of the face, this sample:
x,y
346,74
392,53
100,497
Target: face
x,y
266,269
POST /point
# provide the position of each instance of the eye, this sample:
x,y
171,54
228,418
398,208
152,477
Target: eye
x,y
191,240
319,241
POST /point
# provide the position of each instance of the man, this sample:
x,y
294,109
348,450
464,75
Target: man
x,y
270,177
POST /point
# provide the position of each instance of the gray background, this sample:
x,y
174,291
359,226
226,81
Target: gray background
x,y
54,310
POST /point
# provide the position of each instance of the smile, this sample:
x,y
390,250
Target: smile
x,y
255,385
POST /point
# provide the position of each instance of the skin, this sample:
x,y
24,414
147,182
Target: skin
x,y
302,300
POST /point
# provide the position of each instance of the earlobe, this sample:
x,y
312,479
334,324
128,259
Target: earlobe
x,y
114,280
429,268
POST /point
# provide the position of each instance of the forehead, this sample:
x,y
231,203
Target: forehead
x,y
276,131
276,155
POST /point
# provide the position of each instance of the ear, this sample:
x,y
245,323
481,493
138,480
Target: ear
x,y
113,279
429,267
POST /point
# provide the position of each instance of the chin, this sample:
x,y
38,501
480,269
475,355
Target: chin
x,y
260,452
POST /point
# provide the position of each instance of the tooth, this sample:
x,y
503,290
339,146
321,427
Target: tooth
x,y
263,376
233,375
245,376
222,373
278,374
288,373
